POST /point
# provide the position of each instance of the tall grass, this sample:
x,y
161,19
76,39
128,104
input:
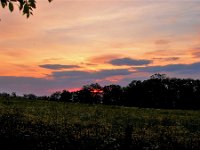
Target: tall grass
x,y
57,125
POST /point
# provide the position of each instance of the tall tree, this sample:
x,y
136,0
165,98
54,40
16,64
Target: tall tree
x,y
55,96
112,95
90,94
65,96
133,94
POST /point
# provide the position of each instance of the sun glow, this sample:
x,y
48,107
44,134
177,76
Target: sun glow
x,y
96,91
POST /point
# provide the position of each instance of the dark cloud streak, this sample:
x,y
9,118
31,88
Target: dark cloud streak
x,y
91,75
129,62
58,66
177,68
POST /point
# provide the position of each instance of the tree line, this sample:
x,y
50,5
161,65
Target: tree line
x,y
158,91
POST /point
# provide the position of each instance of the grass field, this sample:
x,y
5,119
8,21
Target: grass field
x,y
29,124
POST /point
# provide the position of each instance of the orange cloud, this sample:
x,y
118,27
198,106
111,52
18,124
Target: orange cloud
x,y
195,52
103,58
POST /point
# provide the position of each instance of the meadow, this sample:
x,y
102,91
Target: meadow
x,y
37,124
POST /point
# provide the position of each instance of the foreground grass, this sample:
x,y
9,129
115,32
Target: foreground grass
x,y
56,125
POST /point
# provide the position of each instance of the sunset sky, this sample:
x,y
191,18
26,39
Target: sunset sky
x,y
67,44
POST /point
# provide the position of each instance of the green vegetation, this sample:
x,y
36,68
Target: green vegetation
x,y
27,124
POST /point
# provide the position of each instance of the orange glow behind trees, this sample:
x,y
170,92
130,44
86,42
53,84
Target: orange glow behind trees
x,y
96,91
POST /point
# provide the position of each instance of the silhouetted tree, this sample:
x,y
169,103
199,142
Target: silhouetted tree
x,y
75,97
112,95
133,94
55,96
155,91
13,94
158,76
26,6
196,93
5,96
186,90
43,98
65,96
90,94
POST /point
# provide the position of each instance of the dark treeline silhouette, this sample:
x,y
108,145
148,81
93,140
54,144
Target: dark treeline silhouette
x,y
158,91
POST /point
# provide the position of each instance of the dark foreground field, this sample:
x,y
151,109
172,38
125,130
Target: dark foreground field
x,y
53,125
